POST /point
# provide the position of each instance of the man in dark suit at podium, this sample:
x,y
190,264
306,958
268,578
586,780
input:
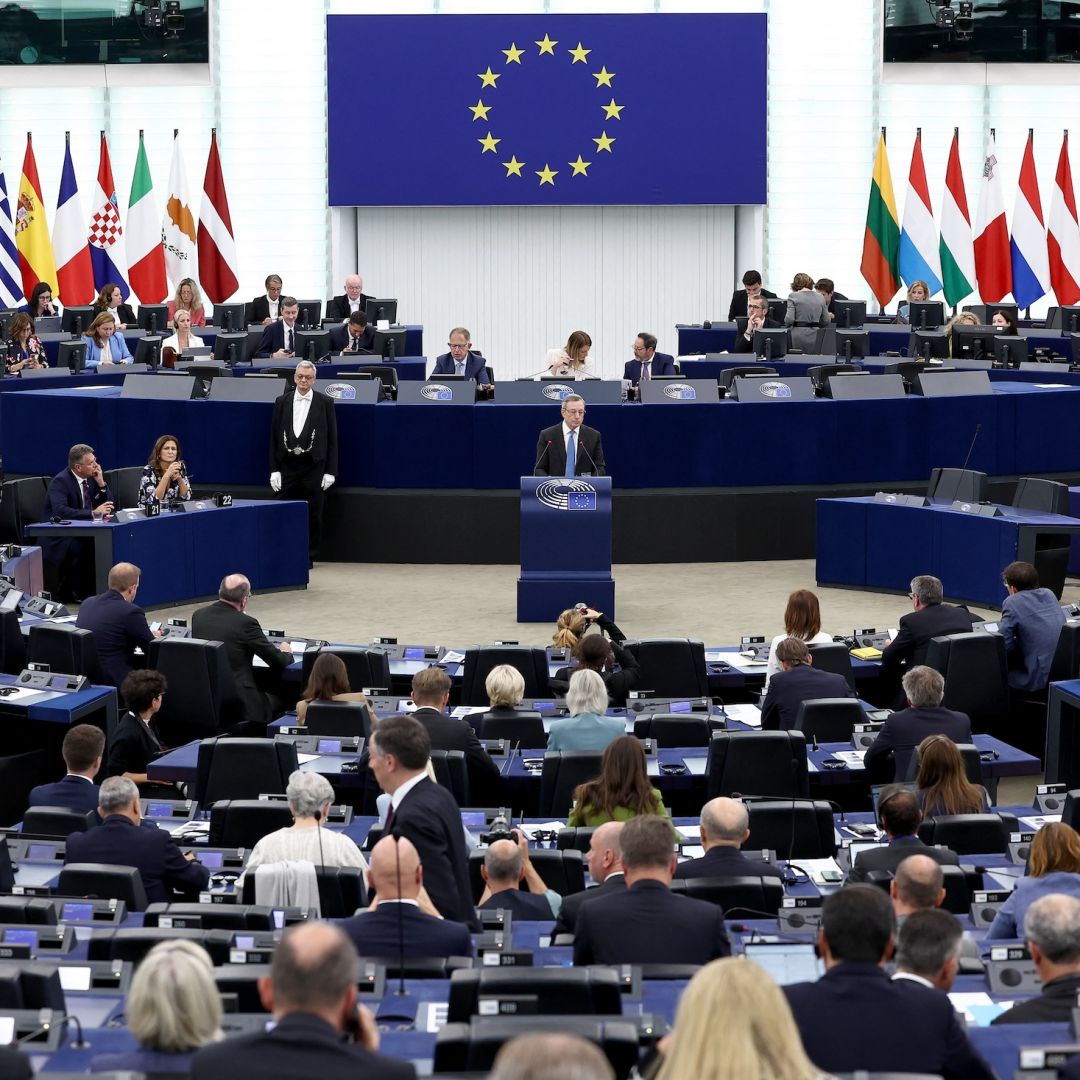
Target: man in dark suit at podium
x,y
796,683
750,291
570,448
83,748
461,360
758,319
647,361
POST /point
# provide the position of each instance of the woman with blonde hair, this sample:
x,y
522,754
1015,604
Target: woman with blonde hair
x,y
802,620
189,299
572,360
943,786
918,292
734,1023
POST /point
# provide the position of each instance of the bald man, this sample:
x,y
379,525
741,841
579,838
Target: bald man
x,y
918,885
725,827
397,878
353,299
227,621
604,860
506,866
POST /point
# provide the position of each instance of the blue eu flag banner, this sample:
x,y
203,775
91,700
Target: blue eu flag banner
x,y
477,110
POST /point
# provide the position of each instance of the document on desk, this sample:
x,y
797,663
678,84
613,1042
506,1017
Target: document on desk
x,y
850,757
978,1008
744,713
303,759
1037,821
25,696
696,766
452,657
817,867
459,712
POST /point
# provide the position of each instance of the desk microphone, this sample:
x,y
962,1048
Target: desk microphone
x,y
543,454
978,428
582,446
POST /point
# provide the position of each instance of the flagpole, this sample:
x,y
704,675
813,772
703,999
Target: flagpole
x,y
1031,139
881,306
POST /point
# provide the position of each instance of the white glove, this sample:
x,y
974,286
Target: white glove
x,y
275,481
327,481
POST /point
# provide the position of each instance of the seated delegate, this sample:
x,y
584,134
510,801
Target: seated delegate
x,y
135,744
461,359
328,681
621,791
24,350
165,477
571,361
189,299
180,339
943,786
103,345
110,301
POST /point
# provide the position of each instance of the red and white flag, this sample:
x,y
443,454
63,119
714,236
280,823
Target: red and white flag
x,y
993,265
1063,233
216,246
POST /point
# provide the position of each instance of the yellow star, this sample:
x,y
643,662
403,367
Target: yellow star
x,y
488,143
603,77
513,166
547,175
487,78
581,168
513,54
479,110
579,54
612,111
604,143
547,45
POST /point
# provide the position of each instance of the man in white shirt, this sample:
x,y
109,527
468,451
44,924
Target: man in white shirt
x,y
929,949
353,299
279,338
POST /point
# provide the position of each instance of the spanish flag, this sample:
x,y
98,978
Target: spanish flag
x,y
881,241
31,229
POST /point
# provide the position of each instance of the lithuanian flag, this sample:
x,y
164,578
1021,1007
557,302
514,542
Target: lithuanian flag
x,y
881,241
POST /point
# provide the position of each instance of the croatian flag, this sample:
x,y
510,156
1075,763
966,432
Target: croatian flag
x,y
106,235
1027,247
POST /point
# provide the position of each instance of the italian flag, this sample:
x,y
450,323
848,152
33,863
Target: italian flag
x,y
146,265
881,241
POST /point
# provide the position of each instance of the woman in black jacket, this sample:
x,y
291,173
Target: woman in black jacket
x,y
600,653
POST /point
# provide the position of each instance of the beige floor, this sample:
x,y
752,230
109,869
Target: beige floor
x,y
464,605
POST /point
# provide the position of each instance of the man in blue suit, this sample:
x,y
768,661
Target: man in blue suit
x,y
119,841
796,683
118,623
889,1026
460,360
84,746
1031,622
79,493
725,827
279,339
399,920
647,361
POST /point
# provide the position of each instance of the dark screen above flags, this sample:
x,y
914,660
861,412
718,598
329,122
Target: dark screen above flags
x,y
464,110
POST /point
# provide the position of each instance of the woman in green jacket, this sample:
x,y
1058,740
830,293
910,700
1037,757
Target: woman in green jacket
x,y
621,791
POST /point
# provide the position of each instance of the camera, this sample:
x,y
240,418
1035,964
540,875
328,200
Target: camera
x,y
500,830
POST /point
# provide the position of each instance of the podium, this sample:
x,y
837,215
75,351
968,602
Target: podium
x,y
565,546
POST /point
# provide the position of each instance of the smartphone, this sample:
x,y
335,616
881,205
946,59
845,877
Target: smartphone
x,y
832,877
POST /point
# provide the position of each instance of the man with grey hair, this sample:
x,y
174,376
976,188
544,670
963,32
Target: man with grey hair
x,y
918,885
889,755
570,448
551,1056
227,621
352,299
725,828
1052,930
929,618
320,1029
928,950
304,447
120,841
506,866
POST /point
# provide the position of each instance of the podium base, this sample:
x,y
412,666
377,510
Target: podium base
x,y
543,599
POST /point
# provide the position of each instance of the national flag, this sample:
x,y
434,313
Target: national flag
x,y
919,259
178,224
146,268
1027,246
881,240
992,262
11,291
106,235
955,247
1063,233
217,248
74,272
32,228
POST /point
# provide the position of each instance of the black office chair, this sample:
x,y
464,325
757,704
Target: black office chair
x,y
794,829
1051,558
29,910
452,773
243,768
202,698
561,869
728,376
64,647
965,485
29,984
819,375
833,656
342,891
338,718
583,991
829,719
575,838
1066,662
530,662
969,752
243,823
671,667
976,678
675,729
12,644
100,880
967,834
124,485
22,502
734,894
385,374
365,667
133,943
757,763
56,821
563,772
524,727
955,881
809,340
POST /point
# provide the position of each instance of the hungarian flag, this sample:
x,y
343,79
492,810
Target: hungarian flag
x,y
146,268
1063,233
993,266
217,248
106,234
178,225
74,273
32,229
11,291
881,241
955,246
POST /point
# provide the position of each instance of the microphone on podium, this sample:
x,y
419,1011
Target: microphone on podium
x,y
543,454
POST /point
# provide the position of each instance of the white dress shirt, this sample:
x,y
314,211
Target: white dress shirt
x,y
395,799
566,439
301,406
274,306
106,352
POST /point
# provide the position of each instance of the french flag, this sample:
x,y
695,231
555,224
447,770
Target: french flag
x,y
106,234
1027,246
74,275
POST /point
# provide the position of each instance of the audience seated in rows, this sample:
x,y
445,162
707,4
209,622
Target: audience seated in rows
x,y
943,786
796,682
588,727
604,860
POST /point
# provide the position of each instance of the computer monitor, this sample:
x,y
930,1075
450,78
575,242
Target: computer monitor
x,y
76,320
777,309
153,317
229,317
849,314
1069,319
926,314
929,345
310,314
972,342
72,355
313,345
229,348
1009,309
770,342
375,310
852,344
148,351
1010,350
6,315
389,344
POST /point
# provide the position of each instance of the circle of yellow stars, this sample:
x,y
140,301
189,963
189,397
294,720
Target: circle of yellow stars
x,y
489,81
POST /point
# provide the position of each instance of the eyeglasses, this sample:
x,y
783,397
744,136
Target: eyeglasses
x,y
454,345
